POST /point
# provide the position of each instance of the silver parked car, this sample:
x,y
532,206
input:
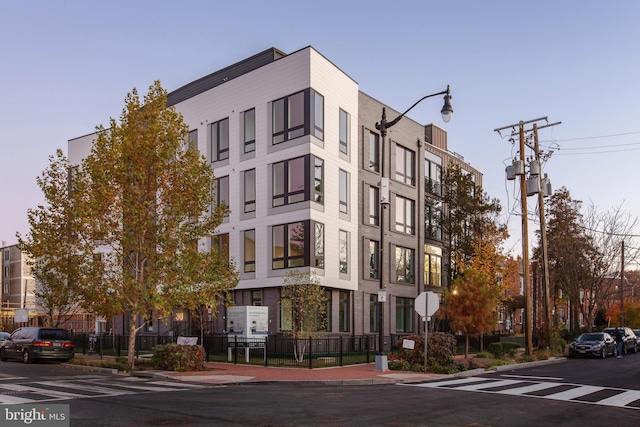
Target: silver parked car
x,y
3,336
33,343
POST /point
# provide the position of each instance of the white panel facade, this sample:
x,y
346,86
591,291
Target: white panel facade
x,y
257,89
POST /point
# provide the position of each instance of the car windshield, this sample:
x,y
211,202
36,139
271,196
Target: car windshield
x,y
591,337
54,334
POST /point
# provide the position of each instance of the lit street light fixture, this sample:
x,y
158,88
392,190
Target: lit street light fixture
x,y
382,364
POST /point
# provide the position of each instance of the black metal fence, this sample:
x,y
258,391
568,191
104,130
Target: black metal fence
x,y
273,350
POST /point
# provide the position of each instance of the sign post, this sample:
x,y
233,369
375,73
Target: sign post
x,y
426,304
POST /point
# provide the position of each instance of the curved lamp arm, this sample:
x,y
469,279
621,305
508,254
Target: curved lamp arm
x,y
447,111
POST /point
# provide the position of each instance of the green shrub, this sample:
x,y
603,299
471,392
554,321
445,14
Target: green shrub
x,y
500,349
441,350
496,349
399,365
484,355
180,358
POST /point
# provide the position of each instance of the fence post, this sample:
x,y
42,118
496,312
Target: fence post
x,y
266,351
310,353
340,342
235,349
366,347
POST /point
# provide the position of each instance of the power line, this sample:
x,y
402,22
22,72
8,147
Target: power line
x,y
602,146
597,152
593,137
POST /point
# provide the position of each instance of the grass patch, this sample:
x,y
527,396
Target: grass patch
x,y
119,363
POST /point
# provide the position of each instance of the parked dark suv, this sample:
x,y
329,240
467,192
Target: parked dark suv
x,y
36,343
629,339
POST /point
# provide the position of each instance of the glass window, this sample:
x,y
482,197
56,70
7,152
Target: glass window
x,y
278,123
404,314
193,139
374,206
222,191
344,311
374,256
256,297
432,174
285,314
404,265
344,131
249,251
327,311
292,243
288,118
318,256
289,182
250,190
220,140
432,265
343,251
318,183
250,130
374,152
405,169
318,115
344,192
432,218
221,243
404,215
295,115
373,313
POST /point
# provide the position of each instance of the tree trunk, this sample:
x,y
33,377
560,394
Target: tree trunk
x,y
466,346
299,348
131,352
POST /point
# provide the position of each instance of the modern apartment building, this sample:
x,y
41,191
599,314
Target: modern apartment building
x,y
18,285
296,155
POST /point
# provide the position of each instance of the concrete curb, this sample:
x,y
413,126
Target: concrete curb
x,y
90,368
528,364
333,382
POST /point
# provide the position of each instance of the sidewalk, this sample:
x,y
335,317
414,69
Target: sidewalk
x,y
228,373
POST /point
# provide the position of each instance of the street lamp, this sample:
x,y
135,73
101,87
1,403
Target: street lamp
x,y
382,364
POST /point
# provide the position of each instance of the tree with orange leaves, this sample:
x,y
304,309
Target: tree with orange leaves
x,y
471,304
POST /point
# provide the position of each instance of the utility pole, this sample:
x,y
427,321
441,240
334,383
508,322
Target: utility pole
x,y
525,235
546,291
528,303
622,287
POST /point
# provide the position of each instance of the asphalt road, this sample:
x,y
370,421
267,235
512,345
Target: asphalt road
x,y
576,393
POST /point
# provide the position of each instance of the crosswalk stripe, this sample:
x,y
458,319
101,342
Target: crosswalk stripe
x,y
501,383
40,391
90,388
54,390
451,382
621,399
6,399
528,388
579,391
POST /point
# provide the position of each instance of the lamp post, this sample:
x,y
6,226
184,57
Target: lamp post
x,y
382,364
